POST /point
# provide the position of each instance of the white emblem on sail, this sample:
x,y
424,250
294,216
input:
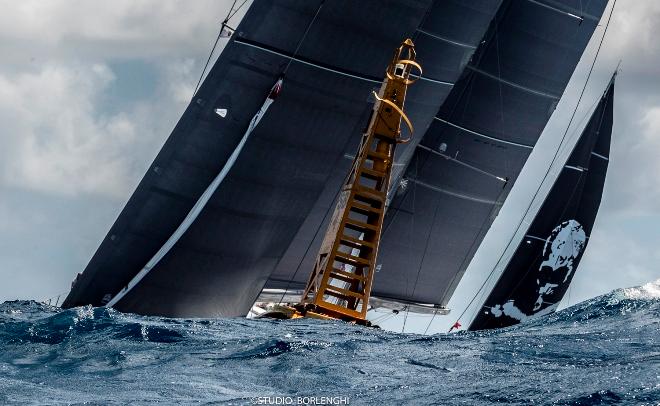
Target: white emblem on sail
x,y
561,252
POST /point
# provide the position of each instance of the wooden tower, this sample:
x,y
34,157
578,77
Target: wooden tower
x,y
340,285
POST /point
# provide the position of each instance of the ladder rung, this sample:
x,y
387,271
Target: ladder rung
x,y
341,310
345,276
364,209
369,193
372,174
388,138
351,260
354,242
377,155
368,198
360,226
342,293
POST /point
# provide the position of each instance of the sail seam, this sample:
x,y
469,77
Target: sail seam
x,y
328,68
450,41
517,144
516,85
454,194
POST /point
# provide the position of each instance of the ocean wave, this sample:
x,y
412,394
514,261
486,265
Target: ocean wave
x,y
649,291
601,351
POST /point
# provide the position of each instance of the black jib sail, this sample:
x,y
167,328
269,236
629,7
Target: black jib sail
x,y
468,160
544,263
191,242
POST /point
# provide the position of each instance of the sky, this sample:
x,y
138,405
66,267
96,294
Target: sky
x,y
89,91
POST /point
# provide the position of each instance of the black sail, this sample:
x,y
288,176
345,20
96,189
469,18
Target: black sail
x,y
544,263
468,160
334,54
445,42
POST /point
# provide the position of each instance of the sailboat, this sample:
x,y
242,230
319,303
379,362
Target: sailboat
x,y
231,210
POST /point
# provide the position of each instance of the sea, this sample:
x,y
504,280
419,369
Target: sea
x,y
604,351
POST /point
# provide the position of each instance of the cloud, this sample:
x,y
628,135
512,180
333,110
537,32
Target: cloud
x,y
53,141
88,94
62,135
56,139
71,29
633,36
622,252
647,148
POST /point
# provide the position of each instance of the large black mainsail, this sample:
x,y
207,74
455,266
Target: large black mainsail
x,y
544,263
445,42
464,166
330,55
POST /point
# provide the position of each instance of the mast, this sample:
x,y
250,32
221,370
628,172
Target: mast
x,y
340,285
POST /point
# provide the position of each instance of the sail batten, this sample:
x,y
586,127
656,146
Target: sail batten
x,y
450,41
467,130
562,8
512,84
307,62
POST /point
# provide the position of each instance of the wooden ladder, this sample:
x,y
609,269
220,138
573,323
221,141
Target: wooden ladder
x,y
340,285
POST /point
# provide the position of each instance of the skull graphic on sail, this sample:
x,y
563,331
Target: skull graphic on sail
x,y
561,253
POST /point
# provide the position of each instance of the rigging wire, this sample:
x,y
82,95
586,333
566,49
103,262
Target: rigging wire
x,y
330,207
311,242
49,300
467,91
437,208
385,317
199,81
412,226
405,319
548,171
215,44
229,17
435,313
302,39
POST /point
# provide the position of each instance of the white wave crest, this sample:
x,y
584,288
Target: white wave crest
x,y
648,291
